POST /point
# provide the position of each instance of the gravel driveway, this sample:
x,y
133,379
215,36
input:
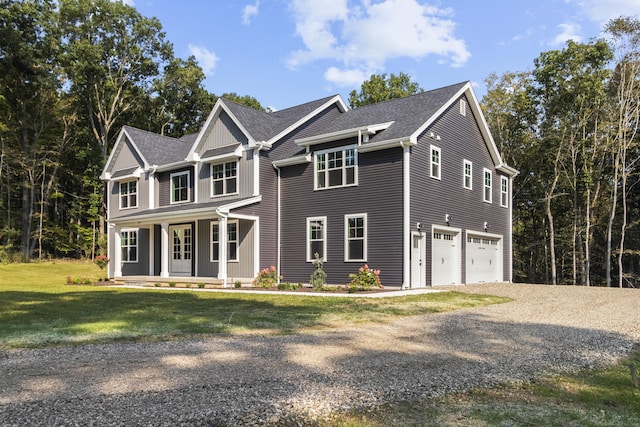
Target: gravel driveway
x,y
270,380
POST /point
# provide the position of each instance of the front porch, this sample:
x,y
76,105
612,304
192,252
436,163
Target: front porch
x,y
180,281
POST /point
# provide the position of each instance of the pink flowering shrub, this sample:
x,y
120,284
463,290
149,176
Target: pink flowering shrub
x,y
266,278
365,280
101,261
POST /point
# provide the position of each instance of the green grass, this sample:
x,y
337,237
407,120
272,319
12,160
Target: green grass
x,y
589,398
38,309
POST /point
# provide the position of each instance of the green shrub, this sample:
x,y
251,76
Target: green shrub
x,y
365,280
266,278
201,285
237,284
286,286
172,284
318,278
101,261
157,285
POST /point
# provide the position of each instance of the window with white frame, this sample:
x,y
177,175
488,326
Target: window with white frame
x,y
128,194
468,171
129,245
487,186
232,241
355,237
224,178
180,187
435,162
504,191
316,238
336,168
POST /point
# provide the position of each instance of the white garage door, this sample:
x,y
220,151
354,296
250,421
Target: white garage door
x,y
484,258
445,257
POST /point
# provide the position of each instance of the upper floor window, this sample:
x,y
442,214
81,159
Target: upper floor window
x,y
504,191
128,194
336,168
129,245
224,179
435,162
463,107
232,241
468,170
355,237
487,186
180,187
316,238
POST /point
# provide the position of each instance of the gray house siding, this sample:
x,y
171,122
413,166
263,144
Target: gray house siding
x,y
126,158
164,185
245,179
432,199
243,268
206,268
379,195
142,196
141,267
224,132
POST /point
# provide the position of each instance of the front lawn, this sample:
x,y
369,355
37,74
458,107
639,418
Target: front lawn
x,y
38,309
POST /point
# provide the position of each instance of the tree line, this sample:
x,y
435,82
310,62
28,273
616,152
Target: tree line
x,y
72,72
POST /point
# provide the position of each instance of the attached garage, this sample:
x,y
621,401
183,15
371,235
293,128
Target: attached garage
x,y
483,258
446,262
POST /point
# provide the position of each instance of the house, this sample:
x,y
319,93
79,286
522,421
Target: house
x,y
414,187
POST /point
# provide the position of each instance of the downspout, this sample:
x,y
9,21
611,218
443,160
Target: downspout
x,y
278,229
406,214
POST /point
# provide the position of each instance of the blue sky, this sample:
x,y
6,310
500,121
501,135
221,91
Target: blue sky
x,y
287,52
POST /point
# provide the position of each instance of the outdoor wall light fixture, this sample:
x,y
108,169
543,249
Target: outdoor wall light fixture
x,y
486,226
447,219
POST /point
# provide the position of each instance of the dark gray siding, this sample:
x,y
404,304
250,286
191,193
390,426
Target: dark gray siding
x,y
142,266
432,199
379,194
164,186
245,179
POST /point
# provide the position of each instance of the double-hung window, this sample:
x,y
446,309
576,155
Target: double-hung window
x,y
487,186
336,168
355,237
224,179
232,241
129,245
468,170
435,162
128,194
504,191
316,238
180,187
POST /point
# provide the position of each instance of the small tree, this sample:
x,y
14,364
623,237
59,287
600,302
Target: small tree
x,y
319,277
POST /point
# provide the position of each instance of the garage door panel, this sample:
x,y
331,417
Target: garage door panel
x,y
445,255
484,259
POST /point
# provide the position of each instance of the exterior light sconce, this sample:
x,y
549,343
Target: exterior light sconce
x,y
447,219
486,226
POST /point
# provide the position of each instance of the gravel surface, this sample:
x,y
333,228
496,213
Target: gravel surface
x,y
289,380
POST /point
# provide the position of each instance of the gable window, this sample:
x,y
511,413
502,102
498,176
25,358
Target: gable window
x,y
487,186
355,248
224,179
316,238
128,194
504,191
435,162
336,168
129,245
468,170
463,107
180,187
232,241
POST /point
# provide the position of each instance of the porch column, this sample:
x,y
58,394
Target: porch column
x,y
151,250
222,250
164,249
117,253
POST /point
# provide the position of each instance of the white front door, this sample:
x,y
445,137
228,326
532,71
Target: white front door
x,y
418,266
181,250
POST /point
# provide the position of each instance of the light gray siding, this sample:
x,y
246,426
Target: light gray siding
x,y
141,267
125,158
432,199
114,196
223,132
245,179
243,268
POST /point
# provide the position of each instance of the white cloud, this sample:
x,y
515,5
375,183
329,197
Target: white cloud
x,y
568,31
363,35
346,78
601,11
206,59
249,12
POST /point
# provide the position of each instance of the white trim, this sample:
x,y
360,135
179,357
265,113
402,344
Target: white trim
x,y
343,168
164,249
235,155
151,250
433,148
256,171
383,145
464,174
310,256
463,107
123,136
237,241
364,239
224,179
504,195
484,185
172,189
291,161
406,216
127,182
342,134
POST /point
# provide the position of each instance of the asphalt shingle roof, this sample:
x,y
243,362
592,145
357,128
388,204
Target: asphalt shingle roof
x,y
160,150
